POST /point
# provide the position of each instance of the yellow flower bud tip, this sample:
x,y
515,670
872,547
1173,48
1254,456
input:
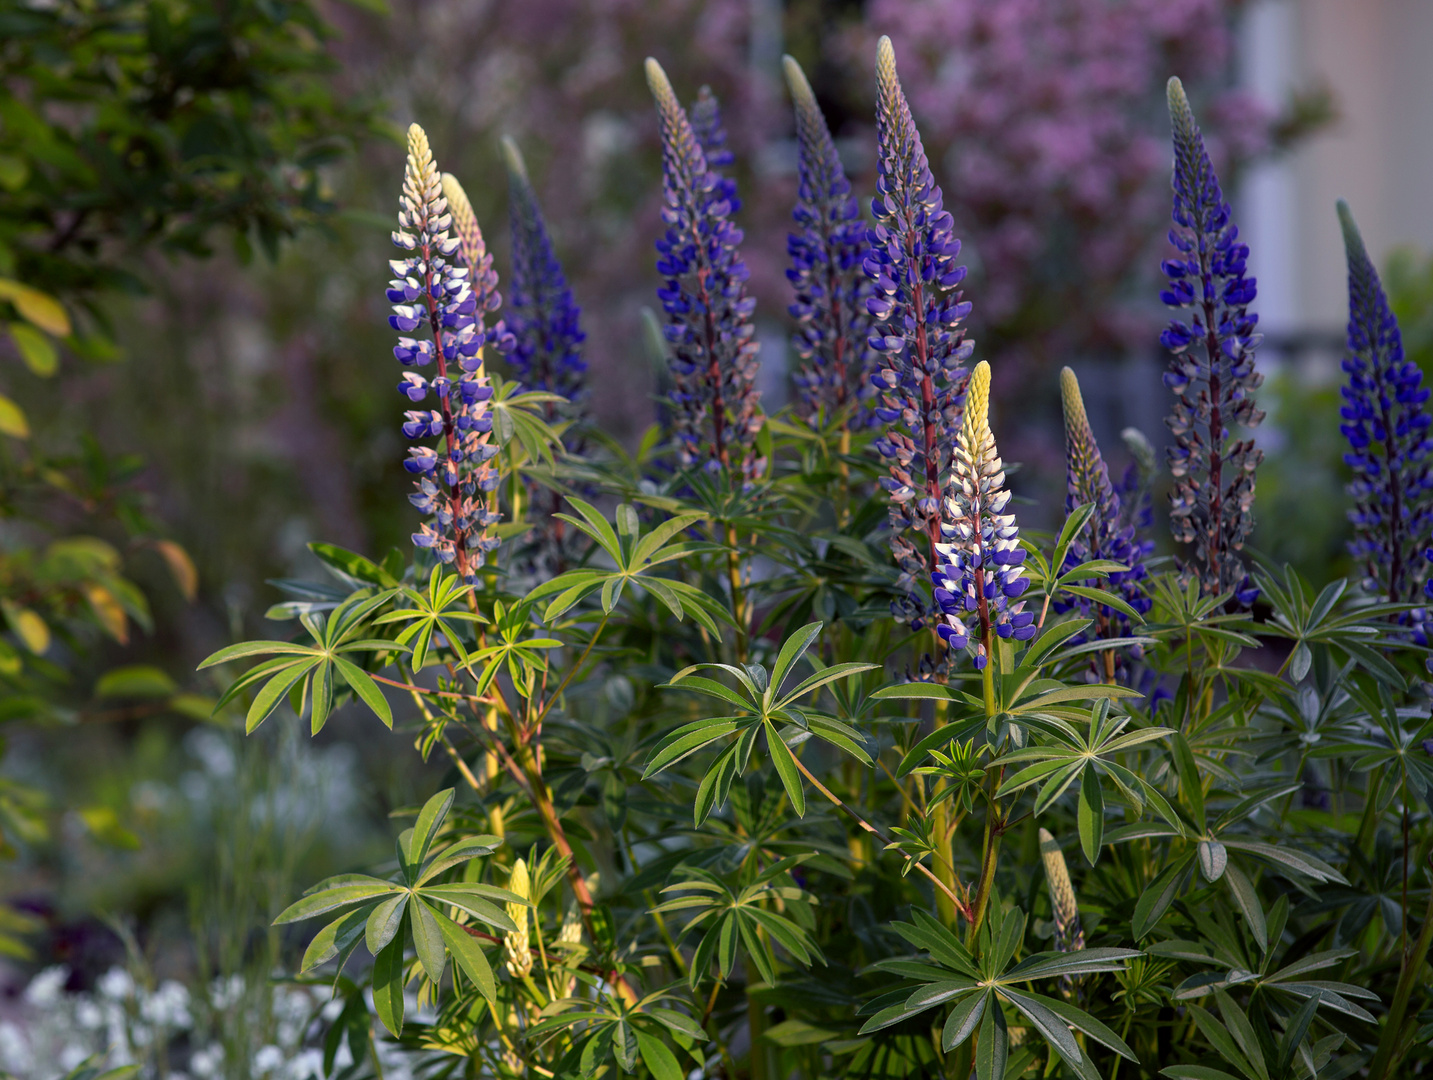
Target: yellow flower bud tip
x,y
1075,416
796,81
518,880
513,158
658,83
977,408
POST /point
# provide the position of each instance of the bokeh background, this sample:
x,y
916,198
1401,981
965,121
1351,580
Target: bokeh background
x,y
227,396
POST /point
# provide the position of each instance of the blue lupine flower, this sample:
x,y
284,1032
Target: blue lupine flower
x,y
711,137
981,576
542,316
918,312
716,411
545,323
446,290
1110,534
827,252
1212,368
1387,428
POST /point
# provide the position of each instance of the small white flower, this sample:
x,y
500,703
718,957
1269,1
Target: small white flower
x,y
268,1059
46,988
116,984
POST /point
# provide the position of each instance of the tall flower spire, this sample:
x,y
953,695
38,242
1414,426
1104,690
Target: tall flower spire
x,y
434,289
716,409
918,312
981,576
1387,428
544,319
1211,370
1111,532
827,252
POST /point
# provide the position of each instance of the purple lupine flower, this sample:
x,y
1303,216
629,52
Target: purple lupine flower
x,y
544,320
1211,370
918,311
711,137
981,576
433,288
1387,429
827,253
545,323
1110,533
716,407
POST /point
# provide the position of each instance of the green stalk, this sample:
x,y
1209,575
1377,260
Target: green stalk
x,y
990,846
738,600
1394,1031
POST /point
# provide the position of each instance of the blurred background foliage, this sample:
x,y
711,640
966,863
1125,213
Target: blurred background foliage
x,y
195,381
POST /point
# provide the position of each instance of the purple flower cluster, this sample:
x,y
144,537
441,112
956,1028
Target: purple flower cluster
x,y
828,251
544,319
1390,449
1044,107
716,408
445,285
982,575
918,313
1112,531
1211,370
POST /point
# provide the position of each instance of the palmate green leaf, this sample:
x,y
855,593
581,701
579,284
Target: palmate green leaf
x,y
428,940
333,940
430,820
785,765
353,889
689,738
384,921
388,986
1195,1072
1091,815
993,1047
1051,1028
962,1021
660,1061
468,956
1160,893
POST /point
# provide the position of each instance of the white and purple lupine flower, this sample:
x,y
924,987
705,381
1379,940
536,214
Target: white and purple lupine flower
x,y
828,251
1211,370
918,313
979,585
445,285
716,407
1390,451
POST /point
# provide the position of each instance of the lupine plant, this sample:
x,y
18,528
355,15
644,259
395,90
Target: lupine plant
x,y
1007,804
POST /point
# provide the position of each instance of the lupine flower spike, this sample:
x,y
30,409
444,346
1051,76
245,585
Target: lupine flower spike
x,y
517,944
1212,368
716,408
828,251
981,575
1110,533
544,320
433,288
547,351
1069,937
1387,429
711,137
918,312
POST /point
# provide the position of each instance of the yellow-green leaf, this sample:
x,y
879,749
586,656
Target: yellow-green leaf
x,y
12,419
108,611
104,824
181,567
28,627
36,307
135,681
36,349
